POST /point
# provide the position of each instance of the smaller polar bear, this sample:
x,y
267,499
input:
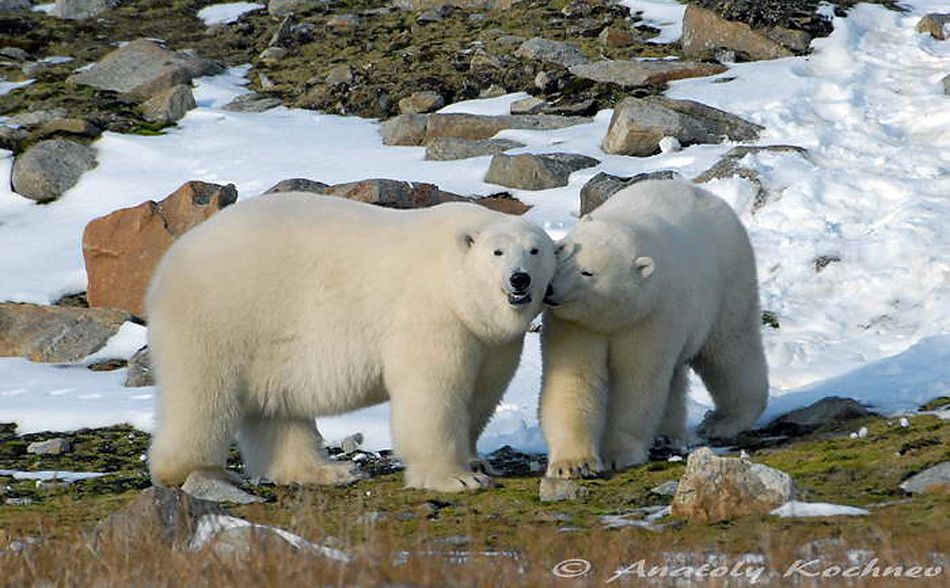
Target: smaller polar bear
x,y
295,306
660,278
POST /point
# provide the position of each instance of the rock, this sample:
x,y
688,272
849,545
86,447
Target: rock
x,y
49,447
351,443
536,172
15,5
139,372
705,33
722,488
529,105
405,129
393,193
937,25
557,52
167,514
340,74
144,68
616,37
602,186
232,538
36,118
493,91
474,126
470,4
504,202
666,488
213,487
557,489
49,168
931,480
946,84
669,145
11,137
14,53
283,7
820,262
551,81
169,106
82,9
450,148
421,103
343,21
69,126
272,55
630,74
122,248
298,185
252,102
638,125
730,165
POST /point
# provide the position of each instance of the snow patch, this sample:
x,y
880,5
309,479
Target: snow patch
x,y
227,13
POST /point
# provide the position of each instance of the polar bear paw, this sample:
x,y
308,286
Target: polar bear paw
x,y
584,467
482,466
618,460
716,425
331,474
453,482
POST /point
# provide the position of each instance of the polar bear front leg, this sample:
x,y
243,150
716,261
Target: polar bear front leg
x,y
290,451
498,367
573,397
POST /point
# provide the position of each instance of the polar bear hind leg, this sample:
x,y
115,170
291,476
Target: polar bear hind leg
x,y
290,451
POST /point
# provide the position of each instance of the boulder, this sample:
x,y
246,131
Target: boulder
x,y
503,202
55,334
832,410
529,171
931,480
298,185
122,248
602,186
167,514
421,103
55,446
450,148
82,9
69,126
630,74
616,37
638,125
216,487
15,5
705,33
557,489
393,193
169,106
722,488
405,129
476,126
529,105
556,52
936,25
49,168
36,118
144,68
252,102
139,371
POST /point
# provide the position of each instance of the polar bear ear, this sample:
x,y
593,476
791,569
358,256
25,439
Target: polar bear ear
x,y
564,249
644,266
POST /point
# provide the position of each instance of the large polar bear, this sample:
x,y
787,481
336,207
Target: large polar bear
x,y
660,278
294,306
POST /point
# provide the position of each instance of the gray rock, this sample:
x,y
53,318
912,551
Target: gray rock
x,y
139,372
351,443
705,33
169,106
214,488
946,84
557,52
144,68
723,488
536,172
730,166
36,118
935,480
49,447
405,129
557,489
450,148
252,102
936,25
602,186
475,126
529,105
283,7
832,410
14,53
630,74
15,5
666,488
69,126
638,125
421,103
167,514
340,74
469,4
272,55
82,9
298,185
55,334
393,193
49,168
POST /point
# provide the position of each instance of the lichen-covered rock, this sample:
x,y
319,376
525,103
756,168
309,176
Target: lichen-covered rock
x,y
82,9
55,333
169,106
122,248
451,148
706,33
723,488
421,103
54,446
529,171
630,74
602,186
556,52
49,168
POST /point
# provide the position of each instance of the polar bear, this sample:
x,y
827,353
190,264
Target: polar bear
x,y
294,306
660,278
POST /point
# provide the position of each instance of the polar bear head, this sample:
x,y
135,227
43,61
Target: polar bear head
x,y
604,280
506,267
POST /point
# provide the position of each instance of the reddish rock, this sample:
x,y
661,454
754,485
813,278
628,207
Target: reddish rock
x,y
705,33
504,202
122,248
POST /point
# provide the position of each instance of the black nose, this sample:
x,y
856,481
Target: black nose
x,y
520,281
549,292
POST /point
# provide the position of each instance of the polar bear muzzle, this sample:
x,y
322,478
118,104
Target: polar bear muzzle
x,y
519,294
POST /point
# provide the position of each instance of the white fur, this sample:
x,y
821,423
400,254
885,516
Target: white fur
x,y
295,306
673,286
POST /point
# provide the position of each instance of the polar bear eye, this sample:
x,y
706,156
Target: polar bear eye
x,y
534,251
587,274
499,252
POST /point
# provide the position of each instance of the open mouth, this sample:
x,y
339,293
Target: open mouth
x,y
519,298
551,302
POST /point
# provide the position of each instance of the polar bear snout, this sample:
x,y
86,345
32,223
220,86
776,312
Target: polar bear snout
x,y
520,281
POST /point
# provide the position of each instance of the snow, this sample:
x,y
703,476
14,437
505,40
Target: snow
x,y
227,13
129,339
795,509
666,15
209,526
7,87
46,475
48,8
867,104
